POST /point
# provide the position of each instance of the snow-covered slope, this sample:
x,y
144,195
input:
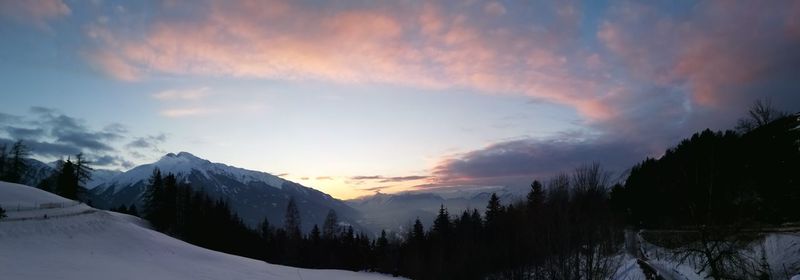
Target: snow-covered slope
x,y
79,242
254,195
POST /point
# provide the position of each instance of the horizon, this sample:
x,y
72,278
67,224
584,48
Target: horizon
x,y
355,98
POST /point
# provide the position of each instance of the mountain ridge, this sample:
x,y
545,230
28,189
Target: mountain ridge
x,y
253,195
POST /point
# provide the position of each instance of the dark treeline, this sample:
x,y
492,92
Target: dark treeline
x,y
747,177
564,230
175,208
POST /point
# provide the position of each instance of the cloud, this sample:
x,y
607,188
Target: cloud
x,y
109,160
376,189
438,49
37,13
51,134
188,112
24,133
494,8
148,143
69,131
718,51
520,161
388,179
372,177
183,94
47,149
324,178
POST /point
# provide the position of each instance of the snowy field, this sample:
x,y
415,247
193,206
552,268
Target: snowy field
x,y
78,242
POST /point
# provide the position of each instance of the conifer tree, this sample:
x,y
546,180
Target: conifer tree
x,y
83,172
3,160
14,163
493,210
292,221
67,182
535,197
441,225
153,197
331,225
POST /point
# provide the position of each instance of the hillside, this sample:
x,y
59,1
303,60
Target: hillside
x,y
79,242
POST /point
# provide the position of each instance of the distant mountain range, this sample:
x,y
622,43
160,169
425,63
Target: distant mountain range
x,y
253,195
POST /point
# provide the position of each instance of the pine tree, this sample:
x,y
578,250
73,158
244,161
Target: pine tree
x,y
493,210
83,172
132,210
67,182
292,221
2,213
315,235
331,226
153,198
535,197
15,167
418,232
265,229
441,225
169,199
3,161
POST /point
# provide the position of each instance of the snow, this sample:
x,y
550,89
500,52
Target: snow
x,y
184,163
79,242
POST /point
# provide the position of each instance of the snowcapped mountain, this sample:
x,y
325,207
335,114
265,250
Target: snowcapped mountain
x,y
252,194
37,171
395,212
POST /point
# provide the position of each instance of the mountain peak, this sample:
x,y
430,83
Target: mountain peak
x,y
185,156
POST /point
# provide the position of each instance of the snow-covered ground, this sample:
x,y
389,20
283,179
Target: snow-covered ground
x,y
781,249
79,242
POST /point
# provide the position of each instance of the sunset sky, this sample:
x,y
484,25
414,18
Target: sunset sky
x,y
353,97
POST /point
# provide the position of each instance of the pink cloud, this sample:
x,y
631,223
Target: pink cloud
x,y
720,46
429,47
279,40
494,8
34,12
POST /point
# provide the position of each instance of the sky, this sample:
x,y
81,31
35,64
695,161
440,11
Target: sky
x,y
358,97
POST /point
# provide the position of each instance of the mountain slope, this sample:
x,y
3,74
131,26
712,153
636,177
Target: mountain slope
x,y
79,242
252,194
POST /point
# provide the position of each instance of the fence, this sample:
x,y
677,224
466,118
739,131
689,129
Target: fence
x,y
19,207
